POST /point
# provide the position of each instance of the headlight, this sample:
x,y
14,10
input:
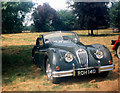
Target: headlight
x,y
99,54
68,57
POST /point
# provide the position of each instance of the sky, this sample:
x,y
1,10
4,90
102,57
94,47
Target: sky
x,y
56,4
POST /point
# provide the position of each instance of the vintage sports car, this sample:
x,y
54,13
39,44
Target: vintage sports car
x,y
116,46
61,54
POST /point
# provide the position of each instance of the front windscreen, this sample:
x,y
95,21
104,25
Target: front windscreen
x,y
60,36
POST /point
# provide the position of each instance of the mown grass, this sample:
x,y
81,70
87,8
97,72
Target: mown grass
x,y
20,74
16,63
88,85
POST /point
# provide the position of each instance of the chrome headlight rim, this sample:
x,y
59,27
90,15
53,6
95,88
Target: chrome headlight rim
x,y
68,57
99,54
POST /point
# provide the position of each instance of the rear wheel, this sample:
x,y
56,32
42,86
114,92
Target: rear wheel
x,y
33,56
118,52
49,73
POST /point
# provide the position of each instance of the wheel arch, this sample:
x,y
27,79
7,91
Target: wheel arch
x,y
54,56
105,49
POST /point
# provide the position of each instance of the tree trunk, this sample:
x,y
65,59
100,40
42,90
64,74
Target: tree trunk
x,y
92,32
88,32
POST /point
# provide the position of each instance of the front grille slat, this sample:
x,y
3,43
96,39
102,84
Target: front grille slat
x,y
83,57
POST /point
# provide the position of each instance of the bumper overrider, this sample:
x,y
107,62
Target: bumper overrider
x,y
73,71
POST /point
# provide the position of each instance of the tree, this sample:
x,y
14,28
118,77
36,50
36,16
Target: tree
x,y
115,15
67,19
30,28
45,18
13,14
91,15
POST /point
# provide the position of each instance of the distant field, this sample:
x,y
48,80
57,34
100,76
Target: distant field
x,y
20,74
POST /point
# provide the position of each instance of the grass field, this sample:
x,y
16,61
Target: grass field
x,y
20,74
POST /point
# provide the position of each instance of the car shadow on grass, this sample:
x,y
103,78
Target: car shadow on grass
x,y
17,64
89,79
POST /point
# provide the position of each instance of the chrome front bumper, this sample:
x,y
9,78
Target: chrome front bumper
x,y
72,72
106,68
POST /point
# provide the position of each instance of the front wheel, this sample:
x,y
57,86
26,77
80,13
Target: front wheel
x,y
49,73
118,52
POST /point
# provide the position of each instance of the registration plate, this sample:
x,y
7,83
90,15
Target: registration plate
x,y
86,72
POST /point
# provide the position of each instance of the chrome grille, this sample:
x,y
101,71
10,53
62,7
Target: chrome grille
x,y
83,57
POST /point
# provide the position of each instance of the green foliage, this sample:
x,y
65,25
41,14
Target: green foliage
x,y
45,18
13,14
67,19
91,15
115,15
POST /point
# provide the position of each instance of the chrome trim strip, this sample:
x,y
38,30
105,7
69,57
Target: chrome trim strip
x,y
108,66
65,75
85,68
106,70
61,72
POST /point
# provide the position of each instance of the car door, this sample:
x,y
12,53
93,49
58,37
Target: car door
x,y
40,51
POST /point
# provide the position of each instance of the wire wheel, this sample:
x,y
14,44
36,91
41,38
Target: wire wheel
x,y
49,71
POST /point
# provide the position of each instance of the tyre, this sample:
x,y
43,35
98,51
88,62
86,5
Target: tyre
x,y
49,73
118,52
104,74
34,61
